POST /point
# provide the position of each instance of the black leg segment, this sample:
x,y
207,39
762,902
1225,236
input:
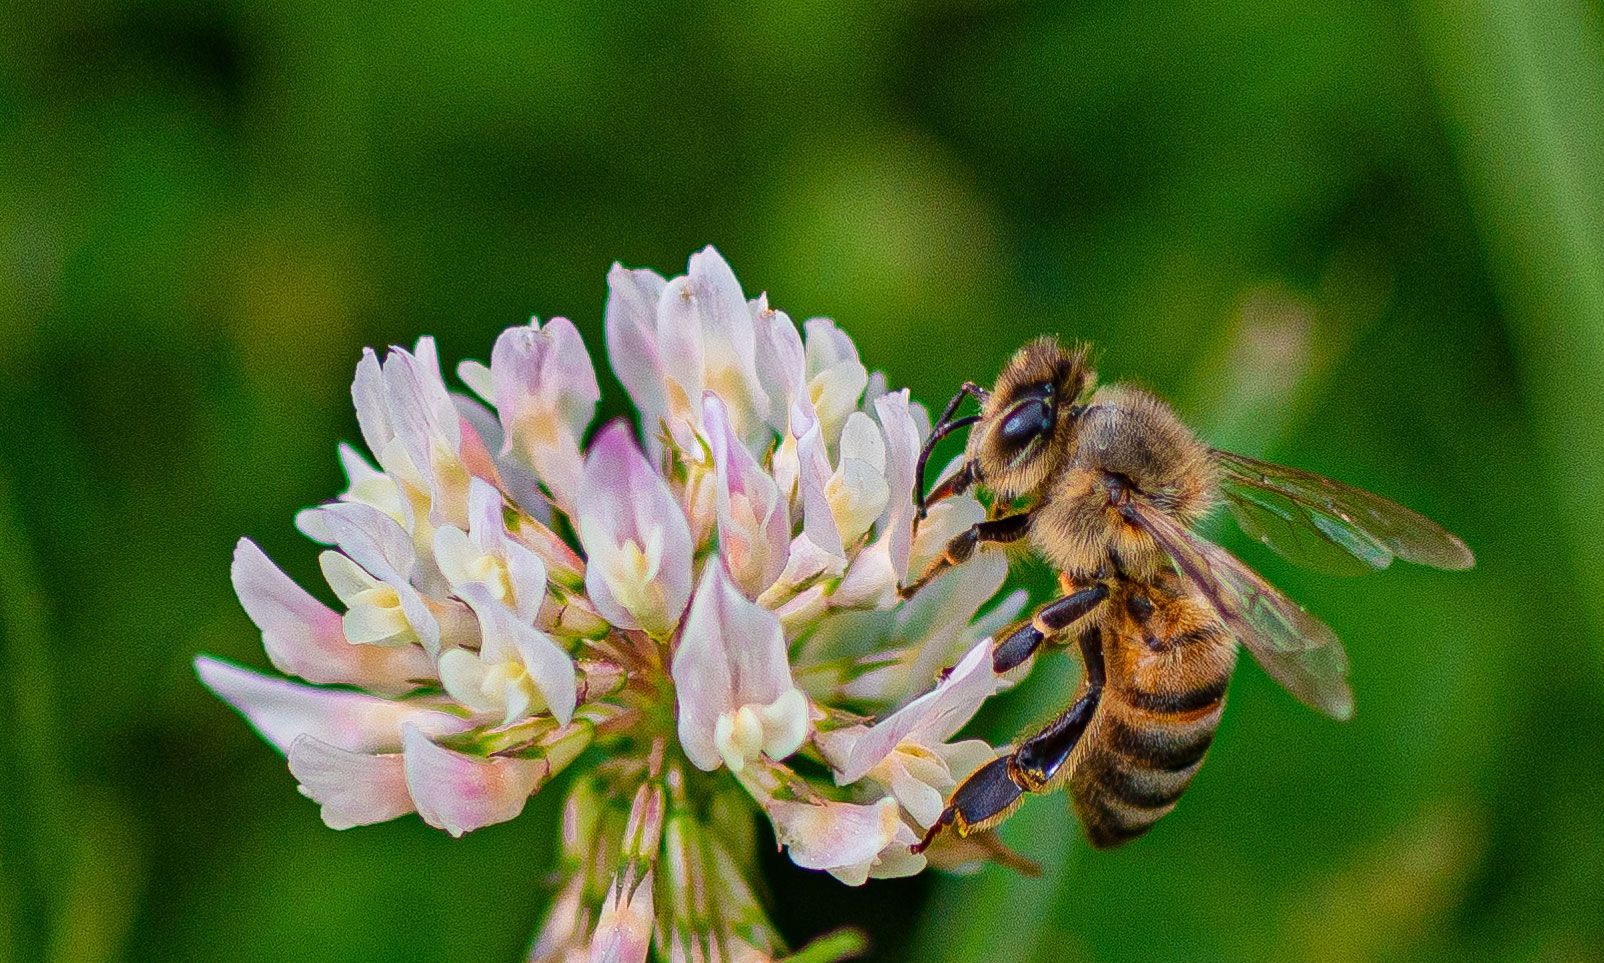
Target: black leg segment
x,y
1009,528
1053,617
991,792
1039,758
944,426
988,794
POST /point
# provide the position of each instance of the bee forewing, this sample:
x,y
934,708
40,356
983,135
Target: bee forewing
x,y
1294,647
1290,510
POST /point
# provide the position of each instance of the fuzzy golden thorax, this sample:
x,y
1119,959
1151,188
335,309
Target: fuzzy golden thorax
x,y
1128,445
1027,424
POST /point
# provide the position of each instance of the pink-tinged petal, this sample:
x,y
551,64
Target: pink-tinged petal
x,y
486,529
932,718
731,654
818,521
703,679
353,788
624,926
561,930
475,451
461,793
369,537
631,324
549,666
303,636
518,480
534,368
546,393
755,544
781,365
622,499
281,711
902,454
834,836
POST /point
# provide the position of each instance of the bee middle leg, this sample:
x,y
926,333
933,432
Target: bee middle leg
x,y
992,792
1049,620
1009,528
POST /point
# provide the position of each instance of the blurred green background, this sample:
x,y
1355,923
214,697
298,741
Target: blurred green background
x,y
1362,237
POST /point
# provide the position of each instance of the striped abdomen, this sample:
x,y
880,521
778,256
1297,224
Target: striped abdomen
x,y
1168,662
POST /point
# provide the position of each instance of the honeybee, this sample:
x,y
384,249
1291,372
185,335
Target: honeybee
x,y
1113,484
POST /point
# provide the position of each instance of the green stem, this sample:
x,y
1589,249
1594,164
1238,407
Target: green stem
x,y
40,832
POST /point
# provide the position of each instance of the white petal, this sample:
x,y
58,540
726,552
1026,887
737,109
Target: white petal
x,y
527,572
785,724
902,454
453,552
922,801
282,710
345,577
827,345
861,440
353,789
834,835
476,375
898,859
463,675
461,793
933,717
549,666
372,403
368,624
623,498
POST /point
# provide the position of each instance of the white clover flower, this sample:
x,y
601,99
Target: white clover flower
x,y
715,639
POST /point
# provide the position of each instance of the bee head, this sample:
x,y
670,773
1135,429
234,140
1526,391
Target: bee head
x,y
1027,424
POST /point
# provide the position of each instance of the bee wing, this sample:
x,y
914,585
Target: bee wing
x,y
1294,648
1314,521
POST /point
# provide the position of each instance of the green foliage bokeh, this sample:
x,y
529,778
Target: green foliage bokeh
x,y
1364,238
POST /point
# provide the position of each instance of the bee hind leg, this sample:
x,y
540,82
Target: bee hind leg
x,y
991,793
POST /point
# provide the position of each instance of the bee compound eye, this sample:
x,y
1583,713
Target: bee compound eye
x,y
1027,420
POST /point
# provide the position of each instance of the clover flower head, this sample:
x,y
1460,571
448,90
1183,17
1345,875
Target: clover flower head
x,y
697,626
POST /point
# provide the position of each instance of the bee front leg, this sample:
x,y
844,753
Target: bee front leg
x,y
944,426
1009,528
991,793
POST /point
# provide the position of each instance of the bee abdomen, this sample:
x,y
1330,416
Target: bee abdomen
x,y
1136,766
